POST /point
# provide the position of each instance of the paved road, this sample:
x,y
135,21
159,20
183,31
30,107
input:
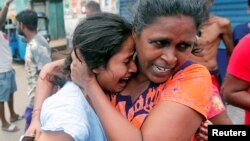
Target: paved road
x,y
21,100
236,114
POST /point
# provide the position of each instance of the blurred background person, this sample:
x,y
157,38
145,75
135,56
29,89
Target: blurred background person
x,y
38,53
92,7
242,29
211,33
7,77
237,81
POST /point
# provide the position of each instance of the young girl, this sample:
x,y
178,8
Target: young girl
x,y
106,43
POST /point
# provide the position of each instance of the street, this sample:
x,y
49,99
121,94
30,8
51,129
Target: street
x,y
20,99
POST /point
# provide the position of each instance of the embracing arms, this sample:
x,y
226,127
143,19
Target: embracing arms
x,y
170,120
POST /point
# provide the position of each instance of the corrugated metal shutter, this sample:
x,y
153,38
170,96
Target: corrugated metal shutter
x,y
236,12
126,8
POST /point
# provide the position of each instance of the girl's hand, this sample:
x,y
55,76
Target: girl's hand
x,y
202,135
34,129
80,74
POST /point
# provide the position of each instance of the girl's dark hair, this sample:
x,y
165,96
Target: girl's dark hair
x,y
98,37
147,11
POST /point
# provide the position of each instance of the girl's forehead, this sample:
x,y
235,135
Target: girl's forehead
x,y
129,44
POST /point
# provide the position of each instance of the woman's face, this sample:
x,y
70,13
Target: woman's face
x,y
119,69
164,45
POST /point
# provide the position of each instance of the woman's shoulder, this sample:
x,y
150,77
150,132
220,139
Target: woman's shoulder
x,y
190,86
190,69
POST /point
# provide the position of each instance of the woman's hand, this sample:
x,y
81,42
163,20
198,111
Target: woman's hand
x,y
80,74
202,135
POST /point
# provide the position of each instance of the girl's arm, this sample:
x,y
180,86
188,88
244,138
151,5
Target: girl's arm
x,y
54,136
44,89
169,121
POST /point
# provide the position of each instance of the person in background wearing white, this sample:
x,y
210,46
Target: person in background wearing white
x,y
7,77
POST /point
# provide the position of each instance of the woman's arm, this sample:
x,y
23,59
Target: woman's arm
x,y
178,122
44,89
169,121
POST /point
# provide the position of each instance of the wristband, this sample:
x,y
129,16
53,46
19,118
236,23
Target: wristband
x,y
36,110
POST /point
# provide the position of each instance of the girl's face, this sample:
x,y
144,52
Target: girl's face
x,y
164,45
119,69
